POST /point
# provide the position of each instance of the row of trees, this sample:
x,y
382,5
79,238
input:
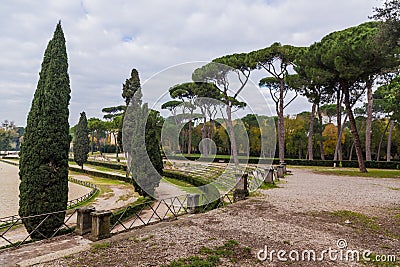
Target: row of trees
x,y
139,126
385,136
343,64
106,133
10,136
342,67
44,151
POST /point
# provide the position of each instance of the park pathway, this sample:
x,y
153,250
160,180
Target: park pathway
x,y
295,214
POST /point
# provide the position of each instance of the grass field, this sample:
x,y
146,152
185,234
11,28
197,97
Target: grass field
x,y
372,173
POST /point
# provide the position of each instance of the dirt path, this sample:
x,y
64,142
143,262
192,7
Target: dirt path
x,y
309,212
117,195
306,191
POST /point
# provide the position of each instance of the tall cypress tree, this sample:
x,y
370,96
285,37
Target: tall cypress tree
x,y
141,139
82,142
44,152
130,86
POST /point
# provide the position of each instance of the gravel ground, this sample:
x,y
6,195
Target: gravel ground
x,y
305,191
9,190
301,215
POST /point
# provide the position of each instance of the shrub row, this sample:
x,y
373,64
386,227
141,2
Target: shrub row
x,y
304,162
344,163
9,162
106,175
114,166
5,156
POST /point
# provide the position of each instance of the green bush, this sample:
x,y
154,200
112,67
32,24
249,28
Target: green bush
x,y
303,162
109,148
113,166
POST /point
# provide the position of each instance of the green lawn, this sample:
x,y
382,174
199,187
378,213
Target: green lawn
x,y
98,168
372,173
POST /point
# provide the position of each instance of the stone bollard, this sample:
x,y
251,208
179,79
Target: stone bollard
x,y
84,220
284,167
100,225
269,178
241,191
193,202
280,172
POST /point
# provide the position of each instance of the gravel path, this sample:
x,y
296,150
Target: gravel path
x,y
297,216
307,191
9,190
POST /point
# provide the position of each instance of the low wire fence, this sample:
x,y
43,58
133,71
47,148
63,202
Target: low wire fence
x,y
11,235
9,223
151,212
76,202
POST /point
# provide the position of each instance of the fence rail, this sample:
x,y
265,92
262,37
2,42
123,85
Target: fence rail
x,y
133,216
75,202
9,239
170,208
136,215
6,221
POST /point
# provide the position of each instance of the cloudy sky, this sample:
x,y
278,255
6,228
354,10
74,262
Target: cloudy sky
x,y
106,39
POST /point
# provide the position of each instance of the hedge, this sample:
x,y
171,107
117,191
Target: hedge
x,y
210,190
304,162
114,166
106,175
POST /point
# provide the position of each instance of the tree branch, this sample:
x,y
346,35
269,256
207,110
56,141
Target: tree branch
x,y
291,100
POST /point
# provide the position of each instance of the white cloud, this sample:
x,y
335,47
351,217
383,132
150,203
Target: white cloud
x,y
106,39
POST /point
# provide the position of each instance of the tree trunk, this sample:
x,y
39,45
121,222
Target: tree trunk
x,y
116,143
211,134
321,145
232,135
353,127
339,141
203,137
389,143
299,151
281,126
189,149
311,133
182,141
381,141
92,142
338,154
352,145
351,151
369,123
99,145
